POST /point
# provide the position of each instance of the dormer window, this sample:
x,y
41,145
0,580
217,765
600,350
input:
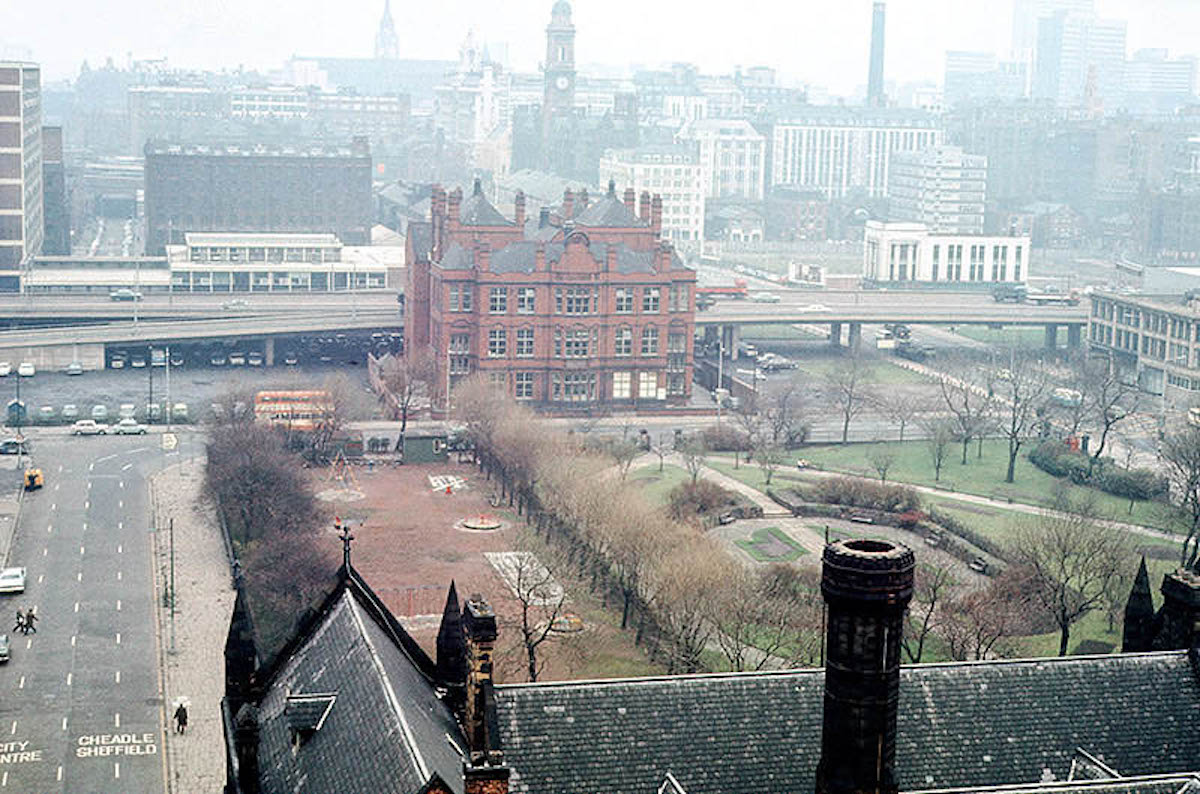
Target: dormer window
x,y
306,714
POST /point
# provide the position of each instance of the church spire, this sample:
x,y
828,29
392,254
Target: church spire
x,y
1138,633
387,45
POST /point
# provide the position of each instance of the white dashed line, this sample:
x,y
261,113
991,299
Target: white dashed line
x,y
117,720
117,769
118,676
120,549
70,677
21,683
49,528
85,526
118,576
14,727
81,551
120,525
64,723
4,779
76,606
120,483
73,640
127,467
87,504
118,638
91,466
79,576
60,469
45,551
41,576
53,506
56,486
118,605
59,776
120,503
28,644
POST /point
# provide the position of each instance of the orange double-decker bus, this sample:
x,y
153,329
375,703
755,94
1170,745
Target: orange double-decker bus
x,y
303,411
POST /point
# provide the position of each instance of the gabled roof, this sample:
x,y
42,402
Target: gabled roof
x,y
960,725
476,210
360,691
608,212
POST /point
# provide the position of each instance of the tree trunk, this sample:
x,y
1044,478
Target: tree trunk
x,y
901,432
403,419
845,427
1064,639
628,596
531,650
966,445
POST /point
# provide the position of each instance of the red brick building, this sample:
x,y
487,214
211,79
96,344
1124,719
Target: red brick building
x,y
580,305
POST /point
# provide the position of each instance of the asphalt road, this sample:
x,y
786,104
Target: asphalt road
x,y
81,708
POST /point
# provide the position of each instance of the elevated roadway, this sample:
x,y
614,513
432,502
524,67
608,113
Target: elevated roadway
x,y
180,306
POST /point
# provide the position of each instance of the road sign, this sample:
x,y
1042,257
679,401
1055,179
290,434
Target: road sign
x,y
169,442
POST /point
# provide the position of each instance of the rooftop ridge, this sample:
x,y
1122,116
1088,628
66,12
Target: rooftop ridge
x,y
1123,783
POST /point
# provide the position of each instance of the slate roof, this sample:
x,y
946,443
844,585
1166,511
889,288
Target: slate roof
x,y
1158,784
421,234
609,212
476,210
521,257
960,725
387,729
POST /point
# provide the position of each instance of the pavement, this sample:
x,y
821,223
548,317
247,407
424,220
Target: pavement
x,y
192,645
81,705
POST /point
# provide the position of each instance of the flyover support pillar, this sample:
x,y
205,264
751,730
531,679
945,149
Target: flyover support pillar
x,y
269,351
1074,336
1051,336
855,337
735,339
835,334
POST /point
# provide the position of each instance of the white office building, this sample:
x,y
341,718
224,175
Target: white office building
x,y
673,172
911,254
732,156
1080,60
837,149
942,187
21,224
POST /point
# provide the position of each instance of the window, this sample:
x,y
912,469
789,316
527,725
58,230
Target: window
x,y
574,386
524,343
624,300
934,272
648,385
460,297
526,300
651,297
622,384
624,342
497,342
524,385
575,300
460,365
679,297
460,343
577,343
498,380
498,300
650,341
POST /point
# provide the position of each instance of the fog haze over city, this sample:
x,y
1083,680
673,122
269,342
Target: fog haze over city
x,y
813,42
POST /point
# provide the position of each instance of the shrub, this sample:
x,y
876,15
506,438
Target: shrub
x,y
688,500
910,518
1059,460
874,496
725,438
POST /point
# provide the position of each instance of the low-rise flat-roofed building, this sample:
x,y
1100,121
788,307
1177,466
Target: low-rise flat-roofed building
x,y
909,254
1154,340
98,275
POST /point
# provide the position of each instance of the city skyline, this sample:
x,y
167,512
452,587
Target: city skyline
x,y
830,51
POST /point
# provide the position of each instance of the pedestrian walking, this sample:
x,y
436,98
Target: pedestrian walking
x,y
181,717
30,619
20,624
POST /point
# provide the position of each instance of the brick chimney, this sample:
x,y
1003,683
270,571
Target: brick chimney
x,y
519,209
630,200
455,201
1178,623
656,215
539,257
644,206
437,219
485,779
867,585
479,625
568,208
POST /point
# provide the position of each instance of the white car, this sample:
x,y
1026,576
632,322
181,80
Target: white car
x,y
765,297
5,369
88,427
26,370
813,307
129,427
12,580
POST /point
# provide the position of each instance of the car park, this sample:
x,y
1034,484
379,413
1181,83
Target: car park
x,y
46,414
14,446
764,297
235,304
26,370
99,413
180,411
291,360
217,359
88,427
5,369
70,411
129,427
116,362
12,580
5,652
74,368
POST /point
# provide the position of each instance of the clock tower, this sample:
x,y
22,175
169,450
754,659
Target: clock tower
x,y
559,99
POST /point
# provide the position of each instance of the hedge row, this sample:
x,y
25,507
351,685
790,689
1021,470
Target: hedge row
x,y
1057,459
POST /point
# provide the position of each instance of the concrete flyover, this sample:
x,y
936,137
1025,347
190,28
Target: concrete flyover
x,y
178,306
56,347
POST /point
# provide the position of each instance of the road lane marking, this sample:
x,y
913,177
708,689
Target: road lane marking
x,y
76,606
87,504
118,605
120,483
118,576
118,638
21,684
120,525
64,723
41,576
59,776
73,640
4,779
81,551
60,469
28,644
91,466
79,576
118,677
49,527
56,486
117,720
120,548
45,551
117,769
53,506
69,678
127,467
14,727
85,526
120,503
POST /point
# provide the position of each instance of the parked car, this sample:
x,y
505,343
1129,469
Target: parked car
x,y
116,362
233,305
764,297
126,411
813,307
14,446
4,648
138,362
74,368
5,369
237,359
176,360
46,414
88,427
254,359
100,412
129,427
12,580
217,360
125,294
70,411
26,370
153,412
291,360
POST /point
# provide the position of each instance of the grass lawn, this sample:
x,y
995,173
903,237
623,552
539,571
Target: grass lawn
x,y
751,474
770,544
1009,336
657,485
982,477
773,332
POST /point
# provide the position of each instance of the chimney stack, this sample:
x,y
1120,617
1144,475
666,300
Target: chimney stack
x,y
437,220
481,725
867,585
543,217
656,215
644,207
630,200
455,200
583,200
519,209
1178,622
568,208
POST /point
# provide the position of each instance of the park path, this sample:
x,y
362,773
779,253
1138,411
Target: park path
x,y
770,508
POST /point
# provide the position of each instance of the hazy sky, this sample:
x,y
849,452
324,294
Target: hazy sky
x,y
817,41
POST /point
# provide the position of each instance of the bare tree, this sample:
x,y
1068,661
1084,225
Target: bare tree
x,y
1021,394
784,418
930,590
1111,400
753,426
969,404
939,434
974,623
881,459
770,458
691,584
1072,561
1181,456
846,390
663,447
694,453
540,600
769,618
624,453
900,406
407,380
